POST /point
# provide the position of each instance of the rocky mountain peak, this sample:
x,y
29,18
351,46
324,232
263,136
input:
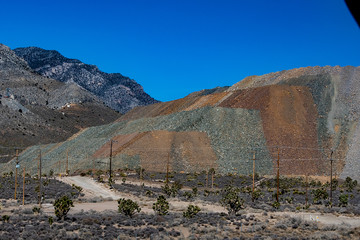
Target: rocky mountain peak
x,y
117,91
9,60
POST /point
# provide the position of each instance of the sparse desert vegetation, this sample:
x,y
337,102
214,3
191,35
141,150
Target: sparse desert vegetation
x,y
183,209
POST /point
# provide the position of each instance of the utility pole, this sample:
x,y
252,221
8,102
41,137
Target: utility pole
x,y
93,167
40,178
277,175
16,172
140,175
167,169
331,163
67,162
306,190
24,187
253,188
110,162
59,167
212,179
207,178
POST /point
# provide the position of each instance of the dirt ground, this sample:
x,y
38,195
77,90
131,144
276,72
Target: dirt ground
x,y
93,190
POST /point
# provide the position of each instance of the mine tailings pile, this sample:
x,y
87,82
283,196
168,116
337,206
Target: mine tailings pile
x,y
291,119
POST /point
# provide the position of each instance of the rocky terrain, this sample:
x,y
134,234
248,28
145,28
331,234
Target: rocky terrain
x,y
293,118
115,90
36,109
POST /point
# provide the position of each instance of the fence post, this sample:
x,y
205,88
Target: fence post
x,y
306,189
331,163
167,169
277,175
40,195
16,172
23,201
67,162
253,188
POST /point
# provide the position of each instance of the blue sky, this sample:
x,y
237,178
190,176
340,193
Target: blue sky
x,y
175,47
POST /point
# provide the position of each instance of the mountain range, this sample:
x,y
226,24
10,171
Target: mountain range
x,y
115,90
37,109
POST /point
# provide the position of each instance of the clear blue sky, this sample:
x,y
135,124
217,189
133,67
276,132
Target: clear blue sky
x,y
175,47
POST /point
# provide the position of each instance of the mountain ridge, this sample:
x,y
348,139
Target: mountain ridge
x,y
36,109
115,90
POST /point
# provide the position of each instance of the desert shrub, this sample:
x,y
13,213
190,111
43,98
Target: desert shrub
x,y
297,191
195,191
289,200
62,206
191,211
161,206
128,207
172,190
5,218
140,171
149,193
188,195
51,173
343,200
350,184
78,188
231,199
207,192
51,220
256,194
335,184
319,195
123,180
46,182
276,204
36,210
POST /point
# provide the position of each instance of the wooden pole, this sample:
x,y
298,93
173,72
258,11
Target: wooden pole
x,y
93,171
253,188
167,169
207,178
331,164
212,179
16,172
40,195
67,162
278,175
59,167
24,187
306,190
111,143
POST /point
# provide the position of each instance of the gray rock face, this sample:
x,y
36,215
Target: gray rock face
x,y
117,91
34,108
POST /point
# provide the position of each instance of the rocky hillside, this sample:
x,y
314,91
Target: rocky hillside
x,y
36,109
298,116
117,91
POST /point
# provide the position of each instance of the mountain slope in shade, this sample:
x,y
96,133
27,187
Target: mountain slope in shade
x,y
298,116
117,91
36,109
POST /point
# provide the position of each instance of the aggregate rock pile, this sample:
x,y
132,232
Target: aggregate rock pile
x,y
231,142
298,120
335,91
